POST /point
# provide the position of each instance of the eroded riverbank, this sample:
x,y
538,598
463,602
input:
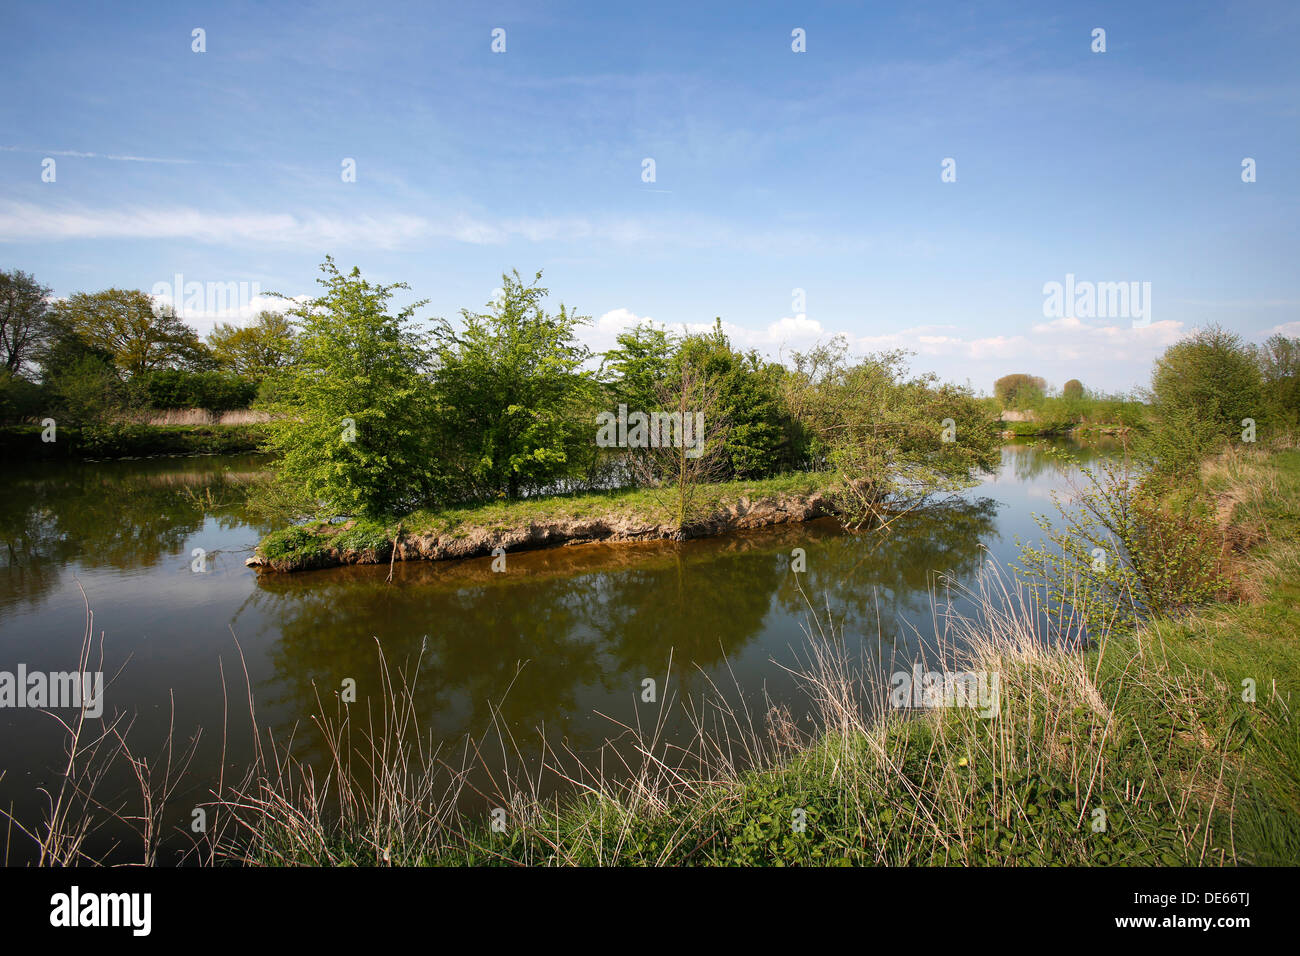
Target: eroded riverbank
x,y
610,518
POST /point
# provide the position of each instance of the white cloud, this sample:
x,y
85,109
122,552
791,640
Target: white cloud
x,y
32,222
28,222
78,154
1061,340
789,332
241,311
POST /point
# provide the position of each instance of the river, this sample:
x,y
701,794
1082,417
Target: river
x,y
562,640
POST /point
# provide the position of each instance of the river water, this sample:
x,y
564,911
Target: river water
x,y
562,641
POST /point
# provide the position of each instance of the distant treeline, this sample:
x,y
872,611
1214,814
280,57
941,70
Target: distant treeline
x,y
1212,375
94,357
372,414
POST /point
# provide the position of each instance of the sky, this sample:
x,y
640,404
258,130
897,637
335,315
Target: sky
x,y
796,195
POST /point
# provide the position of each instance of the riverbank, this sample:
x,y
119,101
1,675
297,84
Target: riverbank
x,y
1173,745
543,522
1083,431
127,440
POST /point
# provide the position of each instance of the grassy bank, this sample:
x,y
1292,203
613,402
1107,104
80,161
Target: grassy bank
x,y
1145,749
635,514
129,440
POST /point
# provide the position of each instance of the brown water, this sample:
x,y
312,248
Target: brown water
x,y
562,640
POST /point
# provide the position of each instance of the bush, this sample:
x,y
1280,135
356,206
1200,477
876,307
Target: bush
x,y
20,399
1279,363
1018,390
355,409
1203,390
179,388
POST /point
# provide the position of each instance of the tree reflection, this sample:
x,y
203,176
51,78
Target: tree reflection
x,y
123,515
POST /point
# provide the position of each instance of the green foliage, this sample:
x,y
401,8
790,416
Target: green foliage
x,y
1019,390
129,326
86,391
637,365
893,441
352,418
516,410
1129,547
116,439
20,399
289,542
1202,390
308,544
181,388
256,350
1279,365
1072,390
749,399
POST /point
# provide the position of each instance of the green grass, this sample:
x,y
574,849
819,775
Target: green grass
x,y
312,541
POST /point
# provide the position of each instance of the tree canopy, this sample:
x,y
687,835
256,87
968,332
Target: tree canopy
x,y
512,392
353,408
127,324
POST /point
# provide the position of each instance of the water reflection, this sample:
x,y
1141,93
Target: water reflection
x,y
123,514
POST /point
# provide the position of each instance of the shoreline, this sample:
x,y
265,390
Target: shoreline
x,y
619,518
120,440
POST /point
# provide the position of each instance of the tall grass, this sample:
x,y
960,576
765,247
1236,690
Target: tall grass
x,y
88,814
197,416
1074,769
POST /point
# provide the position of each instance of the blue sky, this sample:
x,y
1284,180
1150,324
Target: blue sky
x,y
775,170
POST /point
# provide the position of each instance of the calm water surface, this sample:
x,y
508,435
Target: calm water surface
x,y
561,641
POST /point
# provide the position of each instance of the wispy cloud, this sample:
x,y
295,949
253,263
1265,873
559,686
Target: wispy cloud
x,y
119,158
32,222
29,222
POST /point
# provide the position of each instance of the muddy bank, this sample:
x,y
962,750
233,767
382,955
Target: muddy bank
x,y
470,541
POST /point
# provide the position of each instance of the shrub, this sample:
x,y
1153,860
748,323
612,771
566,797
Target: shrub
x,y
180,388
1202,390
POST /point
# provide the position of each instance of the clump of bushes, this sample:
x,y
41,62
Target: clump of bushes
x,y
182,388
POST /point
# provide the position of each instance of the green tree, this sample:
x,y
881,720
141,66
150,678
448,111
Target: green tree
x,y
254,350
692,451
1072,390
1202,389
757,442
515,407
86,390
1018,390
351,425
638,365
23,312
894,442
127,324
1279,365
